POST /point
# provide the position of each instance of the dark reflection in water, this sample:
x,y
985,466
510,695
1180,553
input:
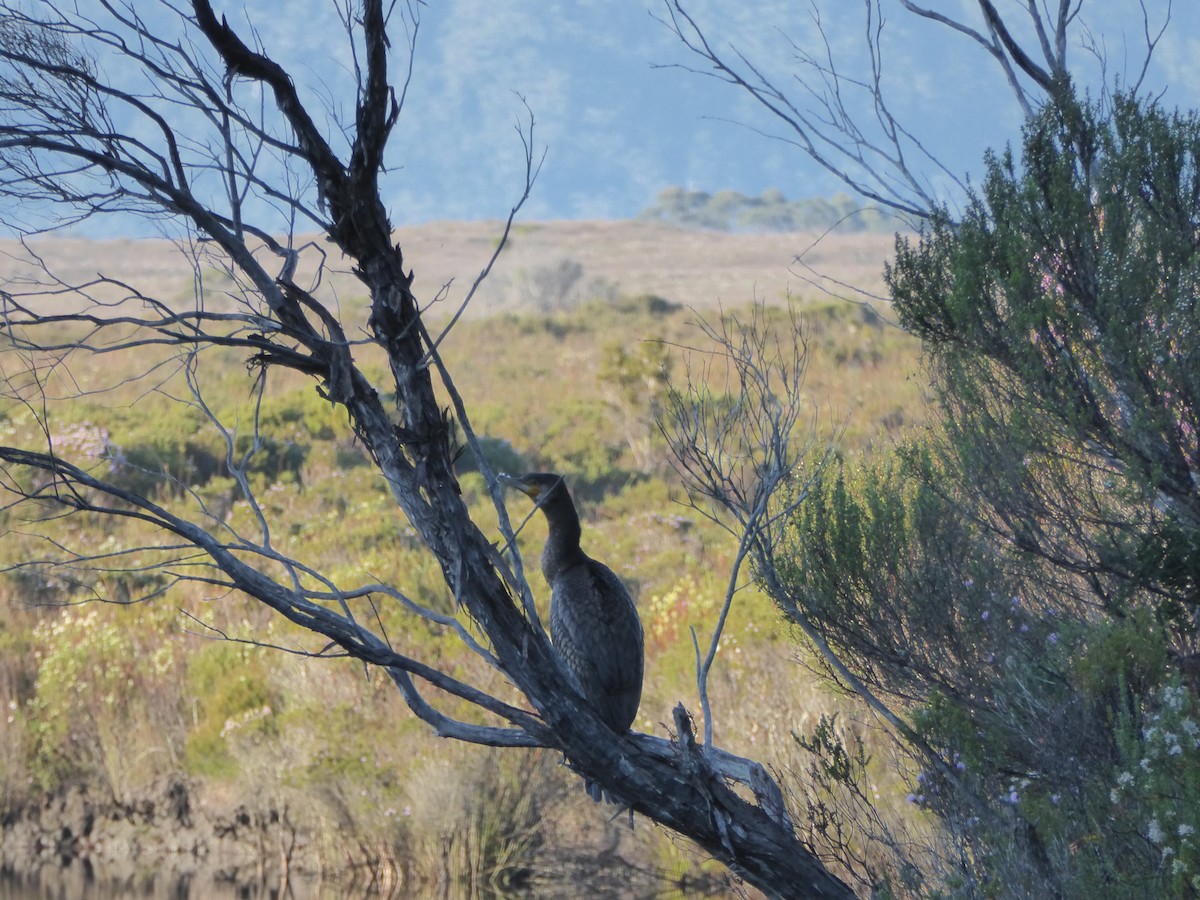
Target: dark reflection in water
x,y
79,881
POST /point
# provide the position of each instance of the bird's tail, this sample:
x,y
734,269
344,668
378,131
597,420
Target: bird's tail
x,y
598,794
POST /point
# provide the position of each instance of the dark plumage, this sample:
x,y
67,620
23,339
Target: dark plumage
x,y
593,620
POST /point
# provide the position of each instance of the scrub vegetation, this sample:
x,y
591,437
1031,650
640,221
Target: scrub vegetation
x,y
256,550
119,698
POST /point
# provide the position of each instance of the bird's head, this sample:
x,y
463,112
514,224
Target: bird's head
x,y
535,485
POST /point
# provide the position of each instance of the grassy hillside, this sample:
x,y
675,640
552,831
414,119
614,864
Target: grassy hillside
x,y
559,361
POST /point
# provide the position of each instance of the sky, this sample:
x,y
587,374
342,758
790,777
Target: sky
x,y
619,117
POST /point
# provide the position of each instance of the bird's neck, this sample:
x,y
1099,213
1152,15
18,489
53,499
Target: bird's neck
x,y
562,544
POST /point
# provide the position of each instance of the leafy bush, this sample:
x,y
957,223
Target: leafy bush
x,y
499,453
1155,797
232,696
1015,585
92,714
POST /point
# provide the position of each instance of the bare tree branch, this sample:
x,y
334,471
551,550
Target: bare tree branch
x,y
844,121
826,131
738,454
223,149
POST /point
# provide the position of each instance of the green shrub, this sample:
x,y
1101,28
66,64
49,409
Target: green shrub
x,y
231,692
1154,798
92,702
501,456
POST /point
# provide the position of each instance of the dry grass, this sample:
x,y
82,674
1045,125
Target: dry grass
x,y
693,268
860,374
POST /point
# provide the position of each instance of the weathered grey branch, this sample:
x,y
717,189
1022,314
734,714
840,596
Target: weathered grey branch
x,y
738,453
873,152
50,139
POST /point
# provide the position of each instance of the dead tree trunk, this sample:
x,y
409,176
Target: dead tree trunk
x,y
59,99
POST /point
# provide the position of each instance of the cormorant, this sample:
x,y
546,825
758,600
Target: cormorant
x,y
593,619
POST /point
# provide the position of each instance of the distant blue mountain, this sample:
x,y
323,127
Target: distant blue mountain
x,y
618,128
620,120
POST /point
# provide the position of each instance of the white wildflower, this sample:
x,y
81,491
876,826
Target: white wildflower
x,y
1174,697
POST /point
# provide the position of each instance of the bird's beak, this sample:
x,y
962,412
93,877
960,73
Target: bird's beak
x,y
530,490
